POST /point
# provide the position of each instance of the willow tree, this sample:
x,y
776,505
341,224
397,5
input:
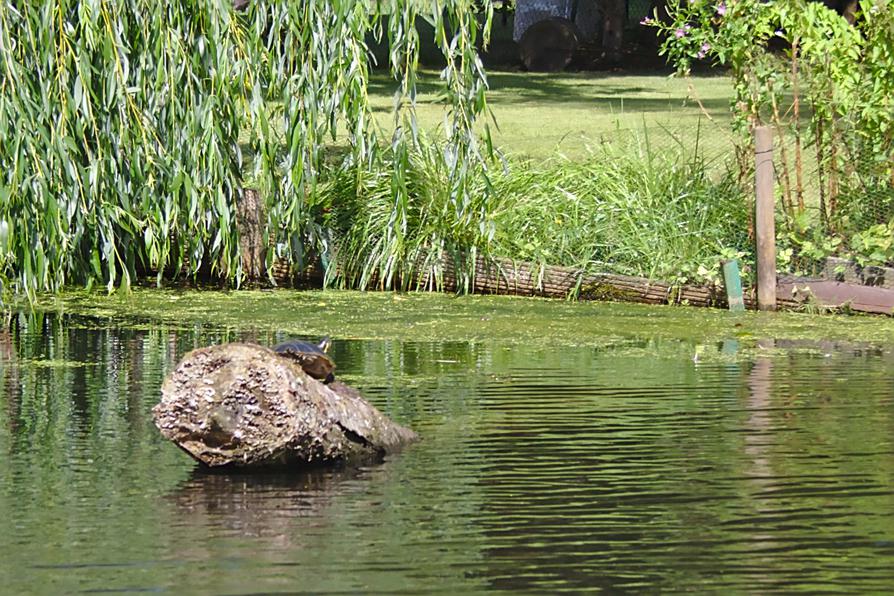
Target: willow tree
x,y
128,127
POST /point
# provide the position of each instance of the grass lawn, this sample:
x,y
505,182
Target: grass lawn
x,y
541,115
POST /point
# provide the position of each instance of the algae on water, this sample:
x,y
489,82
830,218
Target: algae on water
x,y
439,317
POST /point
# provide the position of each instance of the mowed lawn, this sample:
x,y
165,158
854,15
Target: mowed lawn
x,y
542,115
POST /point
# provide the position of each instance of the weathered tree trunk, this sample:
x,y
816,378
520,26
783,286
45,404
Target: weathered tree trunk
x,y
614,16
250,217
243,405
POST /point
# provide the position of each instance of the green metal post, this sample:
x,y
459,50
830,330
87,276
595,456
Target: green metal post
x,y
733,283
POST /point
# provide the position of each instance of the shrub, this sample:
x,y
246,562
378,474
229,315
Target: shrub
x,y
820,81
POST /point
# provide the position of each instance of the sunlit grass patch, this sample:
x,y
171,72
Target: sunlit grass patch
x,y
539,115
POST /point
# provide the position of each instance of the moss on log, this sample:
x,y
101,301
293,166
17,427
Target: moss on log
x,y
244,405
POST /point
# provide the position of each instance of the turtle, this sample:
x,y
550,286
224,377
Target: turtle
x,y
312,357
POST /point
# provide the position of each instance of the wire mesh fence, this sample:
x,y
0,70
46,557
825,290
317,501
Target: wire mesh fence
x,y
832,205
840,198
637,10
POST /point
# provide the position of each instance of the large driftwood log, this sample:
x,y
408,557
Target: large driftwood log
x,y
244,405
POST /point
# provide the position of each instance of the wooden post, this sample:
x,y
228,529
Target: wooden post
x,y
733,282
764,218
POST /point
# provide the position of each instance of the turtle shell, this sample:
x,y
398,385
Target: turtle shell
x,y
312,357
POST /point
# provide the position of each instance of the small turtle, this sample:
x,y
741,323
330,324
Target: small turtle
x,y
312,357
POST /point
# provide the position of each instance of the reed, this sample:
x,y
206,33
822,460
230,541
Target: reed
x,y
628,208
378,246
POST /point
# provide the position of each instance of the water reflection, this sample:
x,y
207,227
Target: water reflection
x,y
266,505
634,466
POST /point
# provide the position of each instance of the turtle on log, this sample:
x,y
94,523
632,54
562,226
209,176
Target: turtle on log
x,y
245,406
312,357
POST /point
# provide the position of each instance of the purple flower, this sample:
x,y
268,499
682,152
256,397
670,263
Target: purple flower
x,y
704,50
680,33
721,9
646,21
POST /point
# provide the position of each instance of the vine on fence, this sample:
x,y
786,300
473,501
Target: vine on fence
x,y
824,84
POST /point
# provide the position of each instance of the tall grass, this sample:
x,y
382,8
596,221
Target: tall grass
x,y
627,208
375,247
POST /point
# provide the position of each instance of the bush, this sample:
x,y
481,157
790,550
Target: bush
x,y
821,82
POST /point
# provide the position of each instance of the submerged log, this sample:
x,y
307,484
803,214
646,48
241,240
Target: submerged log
x,y
244,405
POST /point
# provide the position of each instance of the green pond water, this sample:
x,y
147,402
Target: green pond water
x,y
566,447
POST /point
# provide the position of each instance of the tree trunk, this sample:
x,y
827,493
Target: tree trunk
x,y
614,17
250,218
244,405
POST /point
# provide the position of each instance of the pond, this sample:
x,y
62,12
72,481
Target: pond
x,y
643,462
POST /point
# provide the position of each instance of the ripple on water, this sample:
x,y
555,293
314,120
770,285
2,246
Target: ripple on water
x,y
567,469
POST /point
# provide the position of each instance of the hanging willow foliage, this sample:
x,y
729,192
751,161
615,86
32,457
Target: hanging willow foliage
x,y
121,123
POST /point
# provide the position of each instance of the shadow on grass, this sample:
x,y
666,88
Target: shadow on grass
x,y
572,89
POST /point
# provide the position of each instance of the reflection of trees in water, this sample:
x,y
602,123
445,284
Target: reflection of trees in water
x,y
758,440
759,423
9,380
69,376
576,493
261,505
546,467
652,477
72,382
812,438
